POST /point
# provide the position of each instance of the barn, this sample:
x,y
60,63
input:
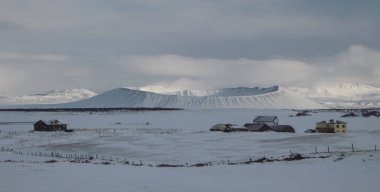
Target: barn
x,y
269,120
52,125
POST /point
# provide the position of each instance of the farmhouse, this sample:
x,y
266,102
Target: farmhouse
x,y
269,120
331,127
52,125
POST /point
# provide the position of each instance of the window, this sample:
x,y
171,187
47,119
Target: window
x,y
343,126
337,126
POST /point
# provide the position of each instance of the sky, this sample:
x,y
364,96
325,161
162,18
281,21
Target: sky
x,y
186,44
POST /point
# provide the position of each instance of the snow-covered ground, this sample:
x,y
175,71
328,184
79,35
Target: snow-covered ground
x,y
180,138
356,173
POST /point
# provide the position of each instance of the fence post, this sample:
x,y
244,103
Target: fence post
x,y
375,148
315,148
328,149
352,146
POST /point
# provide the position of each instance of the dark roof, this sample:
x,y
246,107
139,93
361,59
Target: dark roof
x,y
52,122
256,126
265,118
331,121
222,126
41,122
283,128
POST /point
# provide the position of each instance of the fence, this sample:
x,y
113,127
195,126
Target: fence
x,y
101,159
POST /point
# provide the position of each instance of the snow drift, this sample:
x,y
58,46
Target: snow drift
x,y
241,97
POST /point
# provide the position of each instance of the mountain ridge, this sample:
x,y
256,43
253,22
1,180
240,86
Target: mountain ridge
x,y
50,97
268,98
348,95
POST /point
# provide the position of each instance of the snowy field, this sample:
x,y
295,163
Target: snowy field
x,y
183,138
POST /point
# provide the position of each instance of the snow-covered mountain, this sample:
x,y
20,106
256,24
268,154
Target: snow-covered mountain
x,y
339,96
51,97
343,95
239,91
242,97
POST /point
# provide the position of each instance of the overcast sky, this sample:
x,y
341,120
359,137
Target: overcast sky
x,y
186,44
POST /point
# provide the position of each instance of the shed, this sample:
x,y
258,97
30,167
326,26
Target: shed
x,y
52,125
303,113
257,127
221,127
269,120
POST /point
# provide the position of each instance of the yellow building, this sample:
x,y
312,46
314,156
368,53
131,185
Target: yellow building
x,y
331,127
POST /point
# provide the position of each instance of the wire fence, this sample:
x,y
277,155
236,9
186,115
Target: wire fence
x,y
52,157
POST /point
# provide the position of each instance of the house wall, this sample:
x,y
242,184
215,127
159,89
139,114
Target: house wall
x,y
59,127
325,130
331,127
40,126
341,128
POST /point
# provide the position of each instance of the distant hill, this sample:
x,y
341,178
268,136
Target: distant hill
x,y
51,97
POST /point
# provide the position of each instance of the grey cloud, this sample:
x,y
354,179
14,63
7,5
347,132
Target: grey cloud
x,y
6,26
217,29
357,64
32,57
94,44
211,73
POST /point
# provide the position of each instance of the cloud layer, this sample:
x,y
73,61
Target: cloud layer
x,y
101,44
357,64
